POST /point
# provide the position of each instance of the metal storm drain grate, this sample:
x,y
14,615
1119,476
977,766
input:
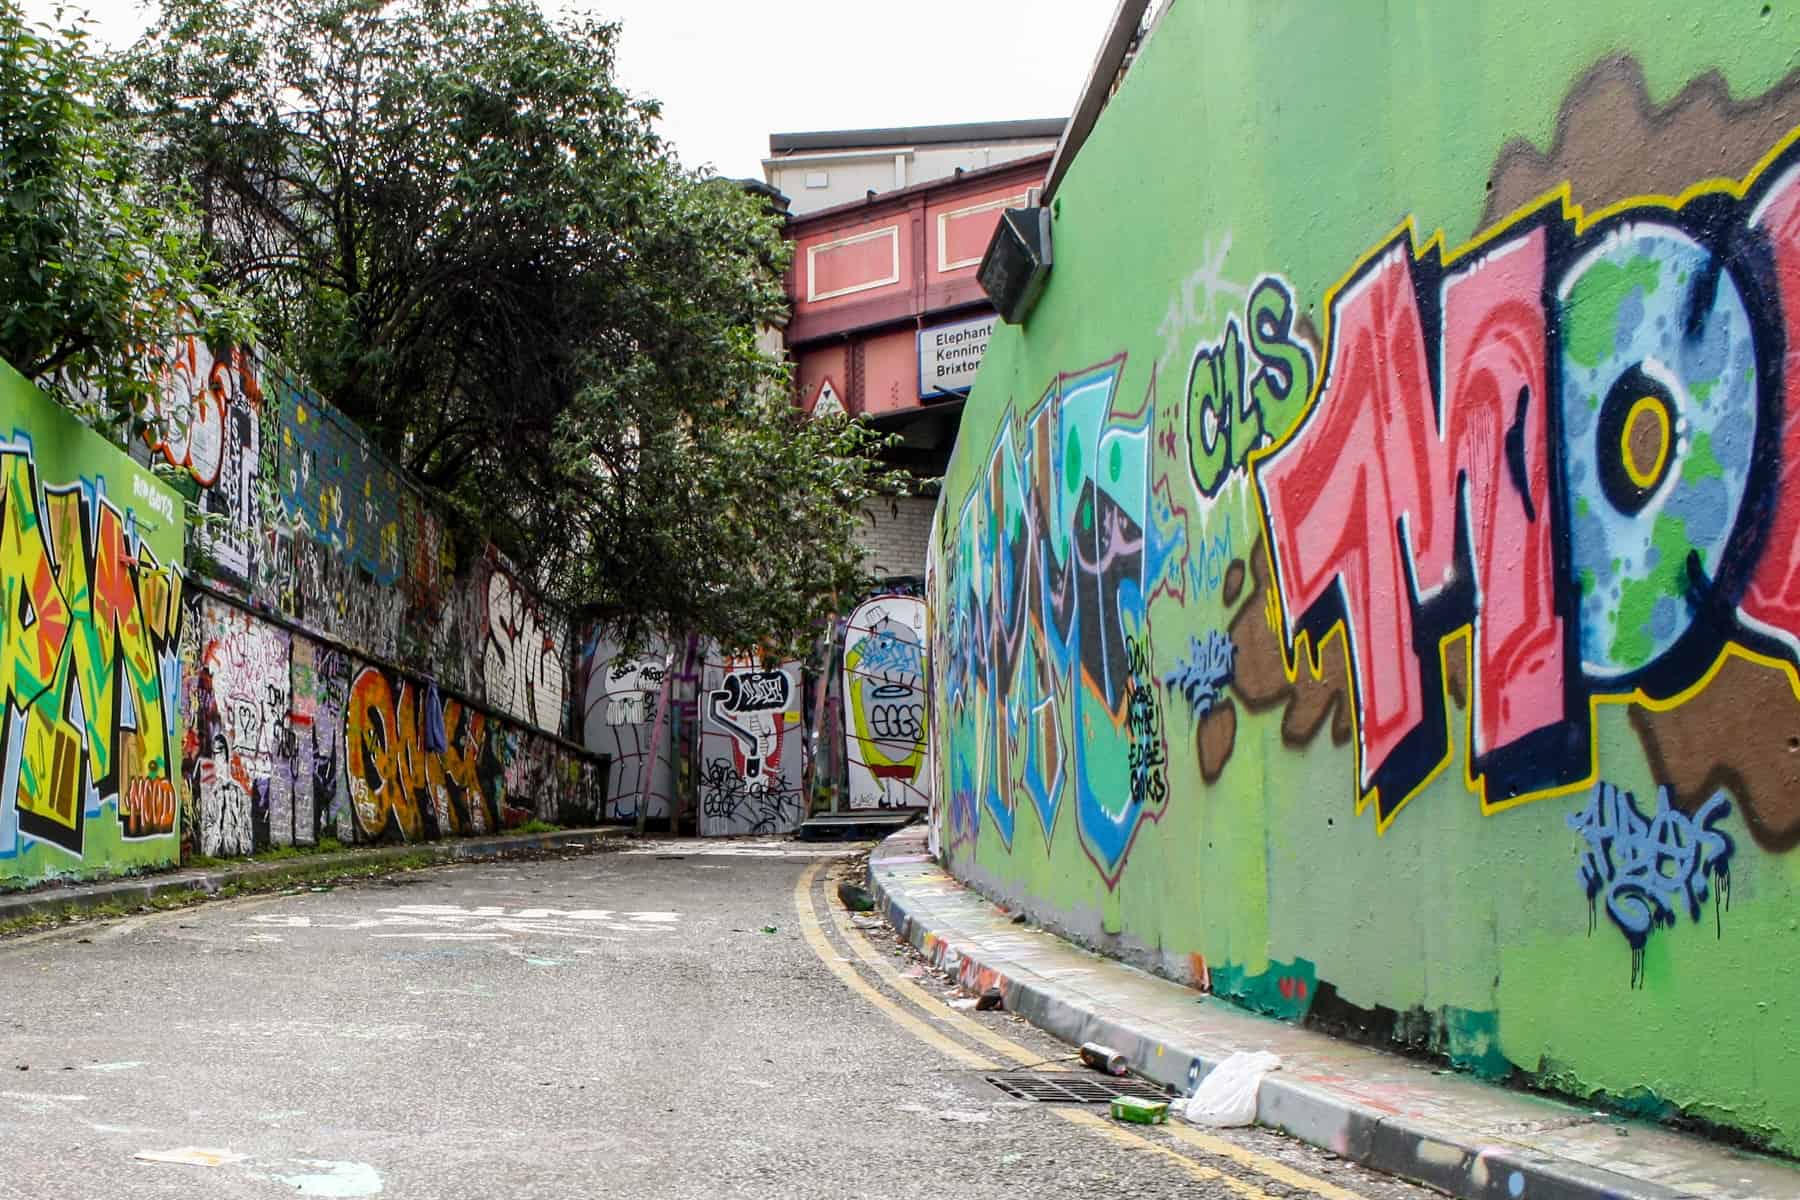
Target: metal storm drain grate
x,y
1067,1087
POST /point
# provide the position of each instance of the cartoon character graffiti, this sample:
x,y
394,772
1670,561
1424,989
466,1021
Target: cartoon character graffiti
x,y
884,683
751,707
751,747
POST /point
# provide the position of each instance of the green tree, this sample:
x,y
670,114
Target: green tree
x,y
450,218
100,267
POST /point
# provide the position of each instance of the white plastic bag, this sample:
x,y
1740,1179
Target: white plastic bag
x,y
1227,1096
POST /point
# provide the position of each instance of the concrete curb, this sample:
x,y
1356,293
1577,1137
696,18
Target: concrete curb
x,y
75,898
1456,1158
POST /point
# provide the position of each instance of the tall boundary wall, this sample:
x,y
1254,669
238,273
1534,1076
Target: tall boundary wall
x,y
320,666
1367,587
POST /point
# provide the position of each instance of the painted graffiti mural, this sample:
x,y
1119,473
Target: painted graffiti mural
x,y
245,761
307,519
750,748
90,587
884,689
1636,358
1047,629
1399,632
414,762
525,661
619,710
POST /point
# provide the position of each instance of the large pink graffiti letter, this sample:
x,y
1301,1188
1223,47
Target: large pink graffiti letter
x,y
1412,502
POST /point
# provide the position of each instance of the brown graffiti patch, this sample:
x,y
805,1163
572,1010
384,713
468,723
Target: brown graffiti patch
x,y
1234,582
1707,743
1261,681
1215,739
1611,142
1456,673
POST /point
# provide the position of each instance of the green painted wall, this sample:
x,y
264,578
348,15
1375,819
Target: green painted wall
x,y
1119,748
90,604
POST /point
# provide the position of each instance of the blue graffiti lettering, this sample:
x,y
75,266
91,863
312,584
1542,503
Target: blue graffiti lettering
x,y
1647,866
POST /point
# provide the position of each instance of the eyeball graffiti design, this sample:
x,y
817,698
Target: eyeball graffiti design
x,y
1658,409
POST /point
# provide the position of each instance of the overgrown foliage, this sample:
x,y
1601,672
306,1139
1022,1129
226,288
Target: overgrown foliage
x,y
99,267
472,241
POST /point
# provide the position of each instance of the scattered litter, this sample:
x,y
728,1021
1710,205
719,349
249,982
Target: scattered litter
x,y
191,1156
991,999
84,941
113,1066
856,899
963,1002
546,962
1018,918
1103,1058
1227,1096
336,1179
913,972
325,888
1007,1160
1138,1111
23,1067
770,929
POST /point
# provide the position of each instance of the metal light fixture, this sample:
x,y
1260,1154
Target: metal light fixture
x,y
1017,262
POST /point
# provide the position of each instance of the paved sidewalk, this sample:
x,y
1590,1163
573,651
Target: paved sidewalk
x,y
1386,1112
72,898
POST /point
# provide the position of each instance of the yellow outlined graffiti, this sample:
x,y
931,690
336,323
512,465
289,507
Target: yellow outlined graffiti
x,y
1309,647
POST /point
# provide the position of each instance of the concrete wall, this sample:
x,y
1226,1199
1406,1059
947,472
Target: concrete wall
x,y
1369,585
90,605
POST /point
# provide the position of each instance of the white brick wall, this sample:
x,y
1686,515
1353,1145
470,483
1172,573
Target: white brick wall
x,y
893,542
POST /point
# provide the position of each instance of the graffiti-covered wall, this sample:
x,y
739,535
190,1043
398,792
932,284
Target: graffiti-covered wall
x,y
1368,587
90,602
346,677
751,747
307,520
619,716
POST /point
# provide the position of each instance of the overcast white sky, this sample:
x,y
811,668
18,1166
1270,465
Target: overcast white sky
x,y
730,72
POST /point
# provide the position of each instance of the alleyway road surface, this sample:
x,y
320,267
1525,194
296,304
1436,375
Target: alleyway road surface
x,y
617,1024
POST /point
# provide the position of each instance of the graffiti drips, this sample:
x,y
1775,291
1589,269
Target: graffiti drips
x,y
1645,870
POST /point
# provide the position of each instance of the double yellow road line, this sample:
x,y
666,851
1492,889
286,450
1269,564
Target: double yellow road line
x,y
1006,1051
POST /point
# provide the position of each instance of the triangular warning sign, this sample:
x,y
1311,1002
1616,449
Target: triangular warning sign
x,y
826,402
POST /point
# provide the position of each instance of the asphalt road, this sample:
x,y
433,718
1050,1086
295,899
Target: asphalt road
x,y
615,1024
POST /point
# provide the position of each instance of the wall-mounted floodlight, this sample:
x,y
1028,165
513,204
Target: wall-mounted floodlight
x,y
1017,262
